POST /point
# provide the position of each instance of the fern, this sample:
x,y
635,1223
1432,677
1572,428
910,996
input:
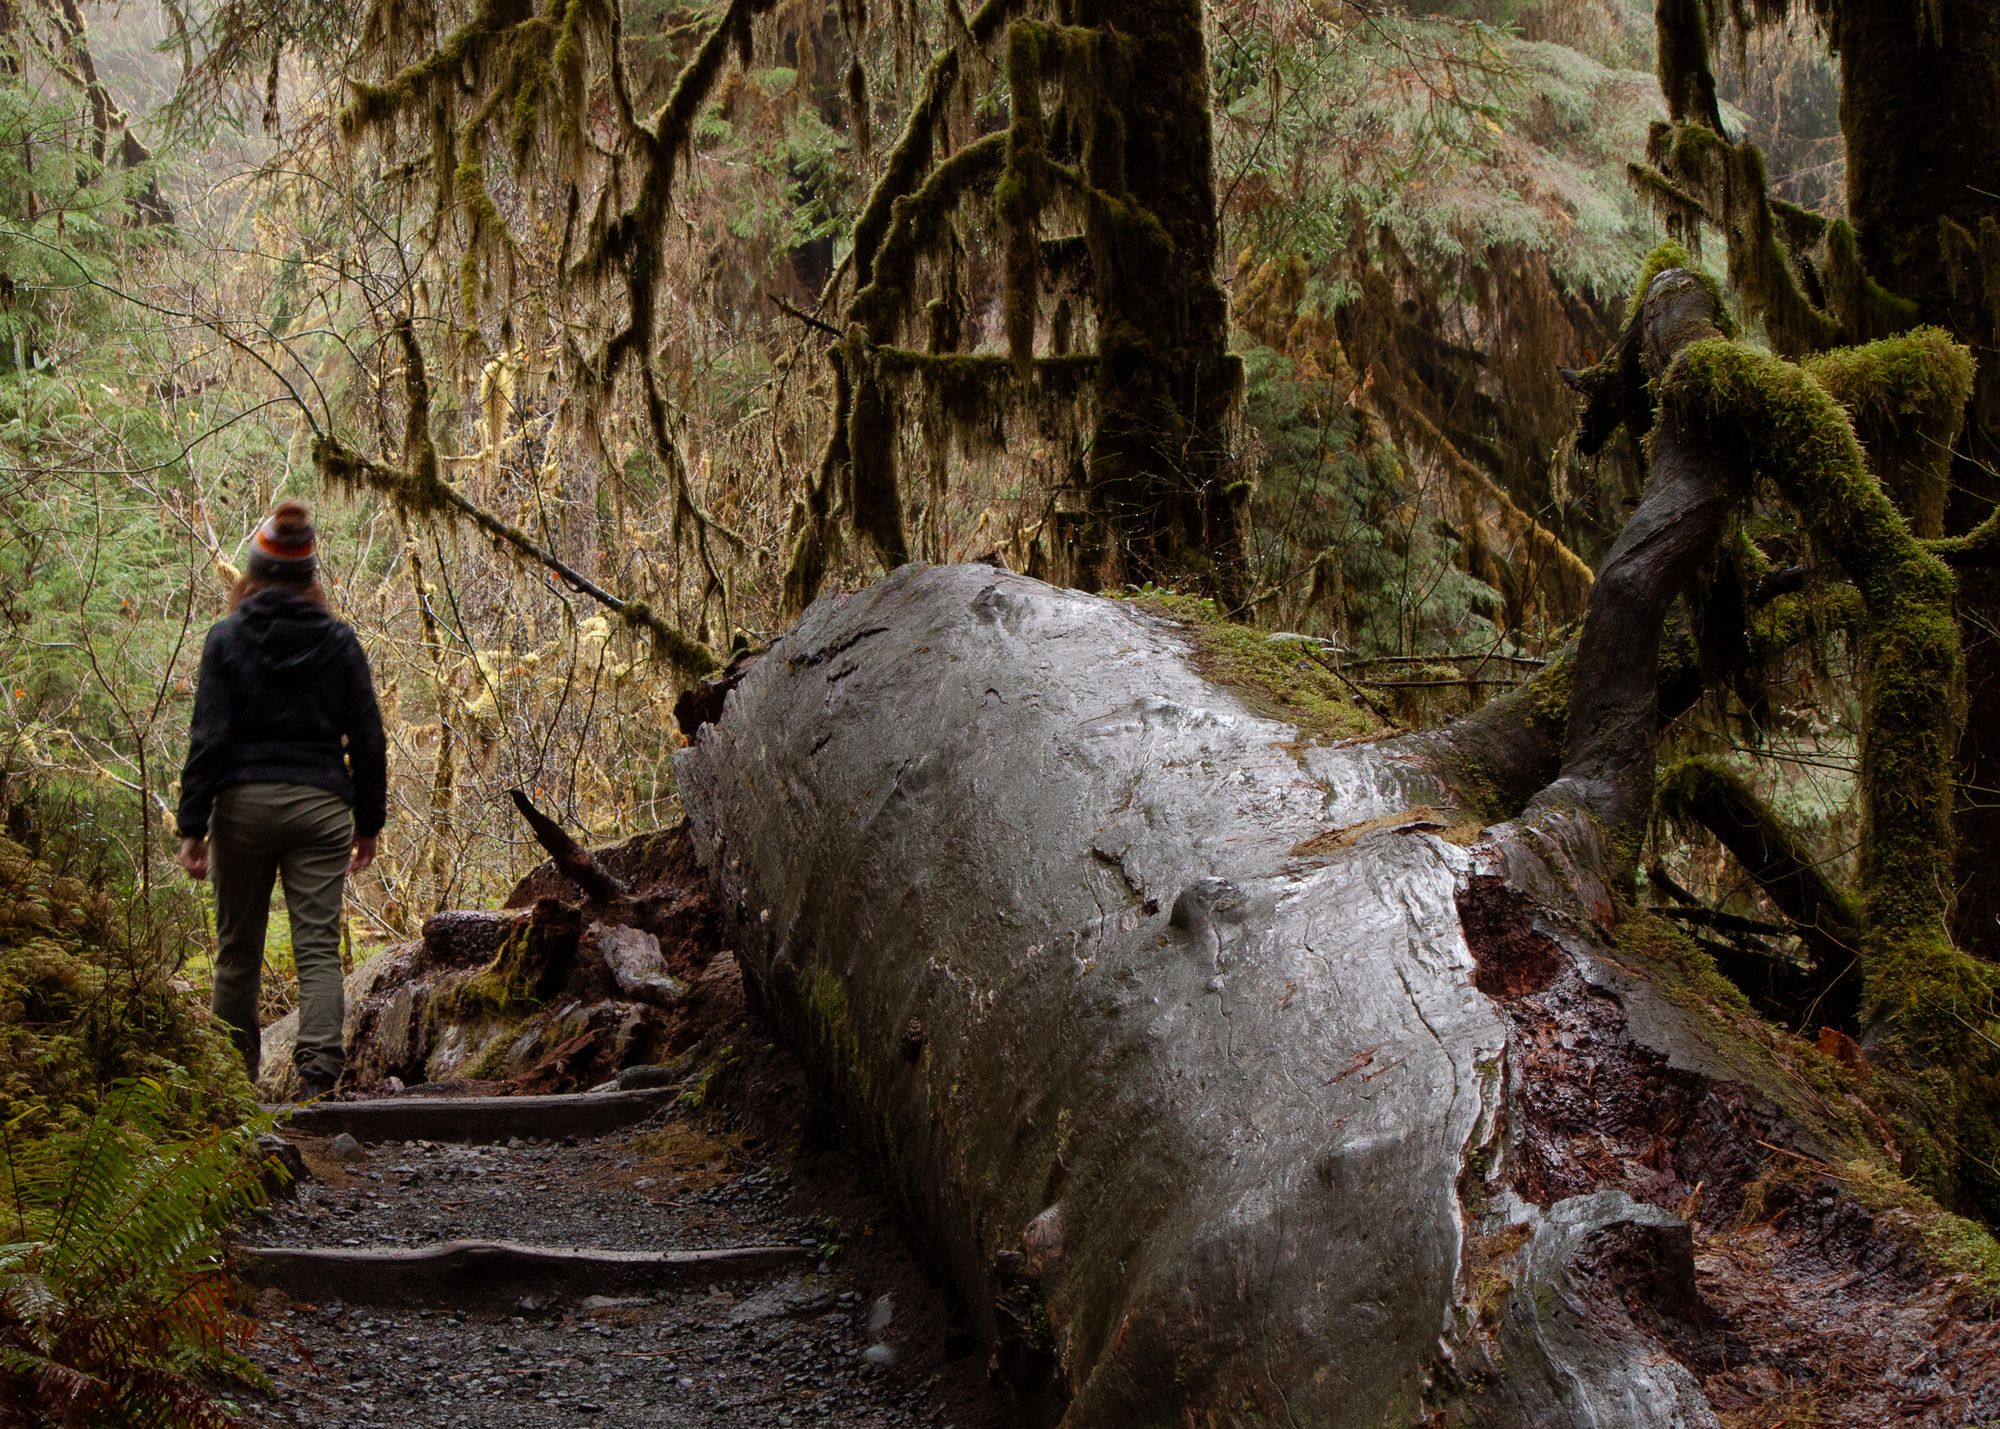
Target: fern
x,y
114,1305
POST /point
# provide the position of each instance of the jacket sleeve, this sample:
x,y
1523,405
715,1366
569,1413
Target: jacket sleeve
x,y
367,744
208,740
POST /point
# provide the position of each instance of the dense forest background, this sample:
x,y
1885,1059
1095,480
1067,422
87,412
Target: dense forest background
x,y
224,242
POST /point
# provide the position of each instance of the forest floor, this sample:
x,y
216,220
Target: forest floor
x,y
853,1334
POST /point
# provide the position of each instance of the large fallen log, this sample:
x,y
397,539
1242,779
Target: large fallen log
x,y
1240,1081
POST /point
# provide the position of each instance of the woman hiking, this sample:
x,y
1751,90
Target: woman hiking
x,y
286,775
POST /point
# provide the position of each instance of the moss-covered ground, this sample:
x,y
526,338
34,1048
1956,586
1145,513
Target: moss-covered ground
x,y
1277,678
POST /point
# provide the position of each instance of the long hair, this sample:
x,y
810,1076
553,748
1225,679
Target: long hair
x,y
248,585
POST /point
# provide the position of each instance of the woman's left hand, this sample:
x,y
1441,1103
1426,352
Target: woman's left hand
x,y
364,854
193,857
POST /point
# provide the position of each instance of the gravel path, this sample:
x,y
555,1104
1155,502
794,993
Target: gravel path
x,y
854,1335
783,1353
670,1187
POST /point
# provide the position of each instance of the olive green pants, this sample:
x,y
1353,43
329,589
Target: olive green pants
x,y
258,833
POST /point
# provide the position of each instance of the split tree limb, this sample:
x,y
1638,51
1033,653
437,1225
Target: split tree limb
x,y
572,860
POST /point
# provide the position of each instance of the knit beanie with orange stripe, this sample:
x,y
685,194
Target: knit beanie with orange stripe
x,y
284,547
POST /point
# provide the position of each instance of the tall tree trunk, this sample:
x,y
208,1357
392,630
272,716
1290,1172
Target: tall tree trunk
x,y
1160,485
1920,109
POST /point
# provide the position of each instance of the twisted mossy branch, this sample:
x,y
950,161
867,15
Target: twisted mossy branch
x,y
1609,738
1906,396
1774,420
411,491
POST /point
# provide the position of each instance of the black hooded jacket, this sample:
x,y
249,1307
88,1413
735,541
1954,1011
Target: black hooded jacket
x,y
284,697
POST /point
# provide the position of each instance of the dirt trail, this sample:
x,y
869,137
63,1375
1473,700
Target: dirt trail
x,y
849,1333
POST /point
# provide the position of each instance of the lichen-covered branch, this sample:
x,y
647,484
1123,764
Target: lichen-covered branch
x,y
417,488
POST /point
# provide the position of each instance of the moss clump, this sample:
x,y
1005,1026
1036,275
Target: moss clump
x,y
1668,255
831,1023
1951,1242
1691,977
1696,176
534,962
1906,396
1277,679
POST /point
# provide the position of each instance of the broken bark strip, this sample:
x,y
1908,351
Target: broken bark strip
x,y
481,1118
460,1272
572,860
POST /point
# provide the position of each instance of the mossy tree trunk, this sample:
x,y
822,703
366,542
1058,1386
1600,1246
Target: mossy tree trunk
x,y
1920,109
1160,491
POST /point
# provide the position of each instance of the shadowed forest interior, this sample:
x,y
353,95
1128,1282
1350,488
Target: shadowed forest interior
x,y
1600,396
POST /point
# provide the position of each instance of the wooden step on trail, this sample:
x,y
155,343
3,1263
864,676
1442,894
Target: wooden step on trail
x,y
480,1118
463,1272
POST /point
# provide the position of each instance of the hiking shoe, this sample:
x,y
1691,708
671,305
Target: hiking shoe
x,y
312,1086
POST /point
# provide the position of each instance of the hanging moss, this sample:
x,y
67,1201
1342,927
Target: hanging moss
x,y
1906,397
904,169
1709,179
464,52
873,436
917,219
1681,59
974,391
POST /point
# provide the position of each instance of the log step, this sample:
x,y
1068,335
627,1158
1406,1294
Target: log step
x,y
471,1119
462,1272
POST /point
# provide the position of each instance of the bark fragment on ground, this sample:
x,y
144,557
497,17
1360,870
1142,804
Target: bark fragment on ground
x,y
1205,1125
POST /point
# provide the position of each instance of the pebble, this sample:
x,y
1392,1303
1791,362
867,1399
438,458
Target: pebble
x,y
346,1147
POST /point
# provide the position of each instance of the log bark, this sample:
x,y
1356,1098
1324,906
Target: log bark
x,y
1208,1127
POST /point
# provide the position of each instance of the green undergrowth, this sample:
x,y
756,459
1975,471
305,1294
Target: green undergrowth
x,y
127,1134
90,996
1277,679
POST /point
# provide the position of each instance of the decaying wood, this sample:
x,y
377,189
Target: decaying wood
x,y
571,859
463,1272
481,1118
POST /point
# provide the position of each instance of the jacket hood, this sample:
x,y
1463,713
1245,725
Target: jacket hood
x,y
285,631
